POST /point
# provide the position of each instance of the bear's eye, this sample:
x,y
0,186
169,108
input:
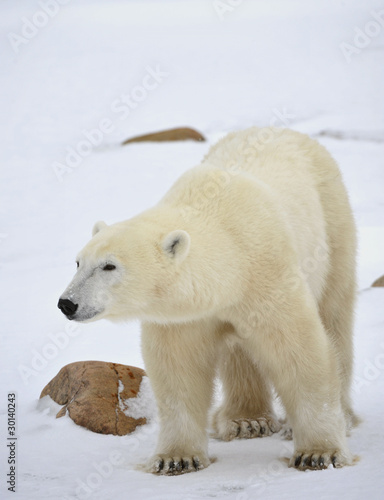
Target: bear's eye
x,y
109,267
77,263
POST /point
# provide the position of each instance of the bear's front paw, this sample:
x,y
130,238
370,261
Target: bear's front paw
x,y
247,428
175,465
315,460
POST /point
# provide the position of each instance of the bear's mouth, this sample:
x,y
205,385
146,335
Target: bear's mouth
x,y
87,315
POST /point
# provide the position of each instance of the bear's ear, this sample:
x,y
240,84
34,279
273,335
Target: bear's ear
x,y
176,245
98,227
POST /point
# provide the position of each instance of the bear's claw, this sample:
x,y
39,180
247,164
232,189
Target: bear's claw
x,y
318,460
247,428
173,466
286,433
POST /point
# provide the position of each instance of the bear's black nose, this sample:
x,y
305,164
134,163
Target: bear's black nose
x,y
67,307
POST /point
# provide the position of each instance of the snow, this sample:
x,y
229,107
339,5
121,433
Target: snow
x,y
178,64
143,405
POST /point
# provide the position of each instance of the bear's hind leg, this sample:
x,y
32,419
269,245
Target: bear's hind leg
x,y
336,311
246,411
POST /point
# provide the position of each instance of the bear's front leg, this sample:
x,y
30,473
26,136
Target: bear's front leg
x,y
180,362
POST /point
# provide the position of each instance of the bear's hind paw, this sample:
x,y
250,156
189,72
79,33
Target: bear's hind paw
x,y
286,432
247,428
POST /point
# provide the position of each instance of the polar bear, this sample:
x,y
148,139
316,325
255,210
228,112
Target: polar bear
x,y
245,269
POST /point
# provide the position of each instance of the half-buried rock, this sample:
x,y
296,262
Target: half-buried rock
x,y
173,134
379,281
98,395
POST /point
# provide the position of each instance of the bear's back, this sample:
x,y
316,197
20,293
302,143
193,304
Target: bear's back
x,y
269,153
289,176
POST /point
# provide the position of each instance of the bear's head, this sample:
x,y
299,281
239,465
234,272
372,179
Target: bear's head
x,y
139,269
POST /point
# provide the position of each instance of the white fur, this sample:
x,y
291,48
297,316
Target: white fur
x,y
245,268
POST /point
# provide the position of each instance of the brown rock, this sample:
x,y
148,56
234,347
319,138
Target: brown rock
x,y
379,281
174,134
90,392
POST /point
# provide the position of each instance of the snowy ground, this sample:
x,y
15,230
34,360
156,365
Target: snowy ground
x,y
314,66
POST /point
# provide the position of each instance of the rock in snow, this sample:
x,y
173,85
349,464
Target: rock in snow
x,y
379,281
101,396
174,134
